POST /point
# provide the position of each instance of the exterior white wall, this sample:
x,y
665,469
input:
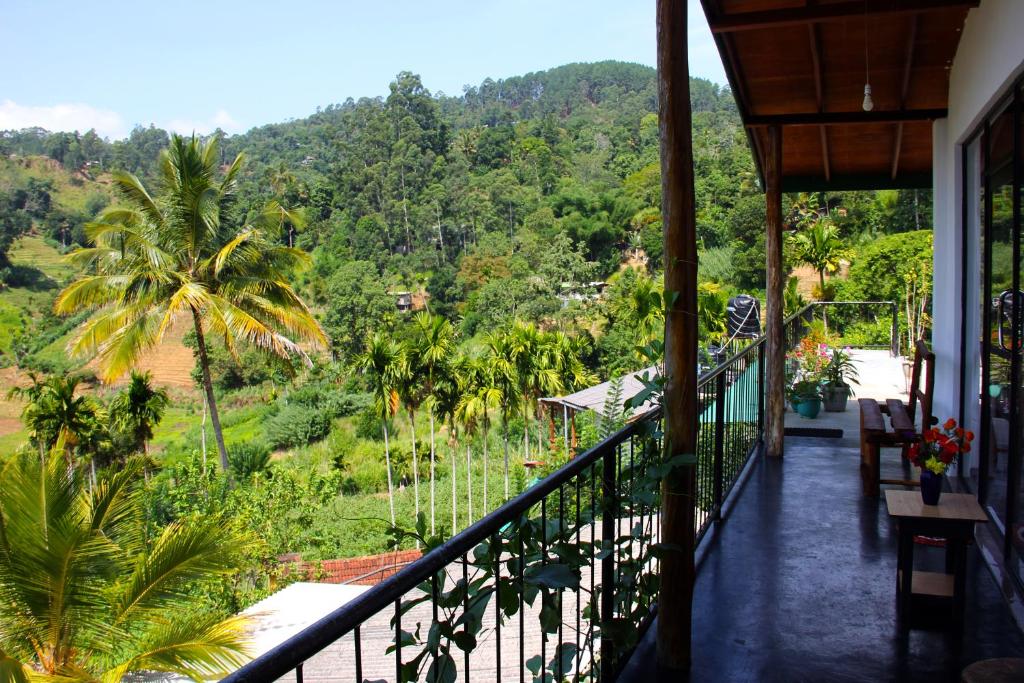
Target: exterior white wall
x,y
990,56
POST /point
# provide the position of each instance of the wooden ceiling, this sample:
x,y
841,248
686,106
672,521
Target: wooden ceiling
x,y
802,65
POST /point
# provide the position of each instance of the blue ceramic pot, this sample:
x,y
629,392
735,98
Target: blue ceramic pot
x,y
809,407
931,487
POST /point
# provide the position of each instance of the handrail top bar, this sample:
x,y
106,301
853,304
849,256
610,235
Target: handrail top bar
x,y
280,660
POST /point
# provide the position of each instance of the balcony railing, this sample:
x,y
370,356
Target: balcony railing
x,y
558,582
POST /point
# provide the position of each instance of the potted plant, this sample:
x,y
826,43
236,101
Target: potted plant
x,y
934,453
838,375
807,397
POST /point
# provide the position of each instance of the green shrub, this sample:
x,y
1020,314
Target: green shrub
x,y
247,459
296,425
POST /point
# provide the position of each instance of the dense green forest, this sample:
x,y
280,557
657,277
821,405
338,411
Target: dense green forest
x,y
524,215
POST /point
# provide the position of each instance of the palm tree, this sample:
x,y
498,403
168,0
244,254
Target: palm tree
x,y
712,312
566,354
158,258
500,358
59,420
87,597
446,396
433,344
819,246
138,409
385,365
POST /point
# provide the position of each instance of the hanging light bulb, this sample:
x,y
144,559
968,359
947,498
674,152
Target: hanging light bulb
x,y
869,103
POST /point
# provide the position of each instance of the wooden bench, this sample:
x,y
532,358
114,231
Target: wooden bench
x,y
873,432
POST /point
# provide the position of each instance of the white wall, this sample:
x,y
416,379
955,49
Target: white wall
x,y
990,56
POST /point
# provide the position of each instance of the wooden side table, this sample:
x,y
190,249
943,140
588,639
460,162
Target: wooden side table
x,y
953,519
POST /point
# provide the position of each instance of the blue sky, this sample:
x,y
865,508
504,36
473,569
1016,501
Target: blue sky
x,y
187,65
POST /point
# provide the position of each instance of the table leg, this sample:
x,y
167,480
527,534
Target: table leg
x,y
904,573
959,561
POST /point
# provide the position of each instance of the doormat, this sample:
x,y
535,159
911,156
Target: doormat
x,y
818,433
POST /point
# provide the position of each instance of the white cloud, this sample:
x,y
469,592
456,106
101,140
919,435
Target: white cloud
x,y
62,117
220,119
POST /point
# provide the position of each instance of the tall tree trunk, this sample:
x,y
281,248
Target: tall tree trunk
x,y
504,428
469,487
526,431
203,439
680,401
387,460
486,509
415,464
455,510
204,364
432,471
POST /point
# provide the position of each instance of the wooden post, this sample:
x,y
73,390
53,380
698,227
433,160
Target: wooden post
x,y
775,380
679,220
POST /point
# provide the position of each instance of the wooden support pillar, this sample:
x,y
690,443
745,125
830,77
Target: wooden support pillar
x,y
775,379
680,401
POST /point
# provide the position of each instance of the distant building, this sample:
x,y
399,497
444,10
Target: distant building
x,y
403,301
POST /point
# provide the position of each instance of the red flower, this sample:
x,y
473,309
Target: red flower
x,y
959,431
950,423
966,448
970,436
946,457
929,436
950,447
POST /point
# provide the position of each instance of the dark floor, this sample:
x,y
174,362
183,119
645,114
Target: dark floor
x,y
799,585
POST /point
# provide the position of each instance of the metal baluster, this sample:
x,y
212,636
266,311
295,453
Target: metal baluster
x,y
593,566
522,610
579,591
435,596
398,639
359,657
298,673
465,604
608,563
543,562
561,620
496,545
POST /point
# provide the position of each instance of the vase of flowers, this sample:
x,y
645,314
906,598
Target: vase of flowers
x,y
807,398
808,362
934,453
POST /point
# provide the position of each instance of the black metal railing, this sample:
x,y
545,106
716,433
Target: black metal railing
x,y
558,583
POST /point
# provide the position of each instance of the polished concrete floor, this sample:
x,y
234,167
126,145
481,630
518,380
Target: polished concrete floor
x,y
798,584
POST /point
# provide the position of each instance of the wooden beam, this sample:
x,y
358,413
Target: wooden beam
x,y
819,92
842,118
678,211
908,64
775,352
839,11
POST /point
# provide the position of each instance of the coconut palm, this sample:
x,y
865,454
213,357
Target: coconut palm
x,y
87,597
157,258
384,364
641,310
566,355
500,358
138,408
433,343
60,420
819,246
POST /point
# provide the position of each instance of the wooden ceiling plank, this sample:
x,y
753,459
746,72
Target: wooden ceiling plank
x,y
839,11
819,92
835,118
908,65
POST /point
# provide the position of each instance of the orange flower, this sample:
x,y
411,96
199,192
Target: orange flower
x,y
950,424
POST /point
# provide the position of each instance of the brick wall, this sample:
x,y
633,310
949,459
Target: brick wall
x,y
363,571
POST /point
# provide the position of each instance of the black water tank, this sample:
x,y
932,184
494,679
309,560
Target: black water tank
x,y
744,317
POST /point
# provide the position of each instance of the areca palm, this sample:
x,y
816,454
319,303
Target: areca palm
x,y
411,391
820,247
138,409
433,342
642,310
384,364
58,419
86,597
447,392
157,258
480,396
535,371
500,358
